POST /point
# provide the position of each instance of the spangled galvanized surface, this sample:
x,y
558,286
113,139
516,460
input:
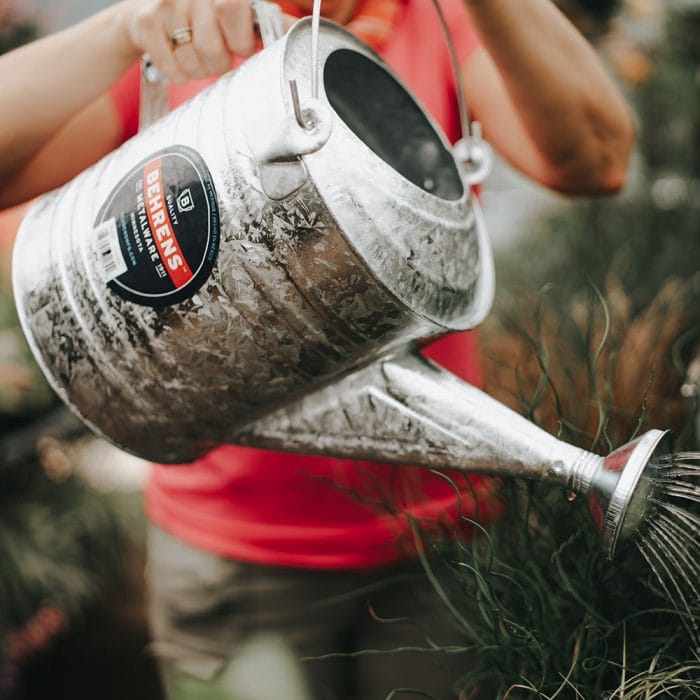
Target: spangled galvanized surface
x,y
302,289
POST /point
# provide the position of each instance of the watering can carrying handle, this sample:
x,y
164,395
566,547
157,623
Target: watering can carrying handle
x,y
268,20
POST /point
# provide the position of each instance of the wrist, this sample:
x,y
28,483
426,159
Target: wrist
x,y
118,25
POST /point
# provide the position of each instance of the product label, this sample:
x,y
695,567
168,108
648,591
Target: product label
x,y
157,235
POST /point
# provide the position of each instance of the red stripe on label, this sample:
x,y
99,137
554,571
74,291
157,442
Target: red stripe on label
x,y
161,227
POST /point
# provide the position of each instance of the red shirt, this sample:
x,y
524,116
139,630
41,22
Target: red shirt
x,y
321,512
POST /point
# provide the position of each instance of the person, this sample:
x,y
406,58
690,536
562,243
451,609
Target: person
x,y
246,540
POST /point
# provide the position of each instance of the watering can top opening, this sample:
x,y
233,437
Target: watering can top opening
x,y
388,175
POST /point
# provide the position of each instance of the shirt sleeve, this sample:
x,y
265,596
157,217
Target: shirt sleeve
x,y
125,98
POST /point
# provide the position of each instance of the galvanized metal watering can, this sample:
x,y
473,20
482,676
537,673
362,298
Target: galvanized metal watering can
x,y
257,268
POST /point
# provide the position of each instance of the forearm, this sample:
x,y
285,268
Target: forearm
x,y
45,84
566,102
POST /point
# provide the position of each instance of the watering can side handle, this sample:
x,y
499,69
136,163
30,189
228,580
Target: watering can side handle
x,y
153,98
404,409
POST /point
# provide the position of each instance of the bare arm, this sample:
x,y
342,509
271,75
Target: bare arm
x,y
545,101
544,98
56,117
47,83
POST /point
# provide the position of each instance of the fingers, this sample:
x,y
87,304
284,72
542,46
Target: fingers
x,y
218,28
147,31
235,19
208,41
186,56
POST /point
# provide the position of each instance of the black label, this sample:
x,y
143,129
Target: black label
x,y
157,235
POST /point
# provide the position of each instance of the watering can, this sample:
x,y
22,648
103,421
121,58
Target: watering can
x,y
259,267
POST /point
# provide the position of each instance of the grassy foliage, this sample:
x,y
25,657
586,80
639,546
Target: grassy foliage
x,y
592,333
547,613
596,319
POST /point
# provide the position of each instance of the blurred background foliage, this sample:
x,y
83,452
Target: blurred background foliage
x,y
594,336
71,553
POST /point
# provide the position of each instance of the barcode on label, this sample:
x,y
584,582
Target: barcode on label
x,y
110,260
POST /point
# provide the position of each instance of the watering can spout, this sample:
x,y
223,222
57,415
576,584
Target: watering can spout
x,y
405,409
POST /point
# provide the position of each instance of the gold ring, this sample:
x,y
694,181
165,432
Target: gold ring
x,y
181,36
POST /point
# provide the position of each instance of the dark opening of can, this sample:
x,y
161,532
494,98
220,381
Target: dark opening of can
x,y
381,112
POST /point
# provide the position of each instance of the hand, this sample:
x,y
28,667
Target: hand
x,y
217,29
